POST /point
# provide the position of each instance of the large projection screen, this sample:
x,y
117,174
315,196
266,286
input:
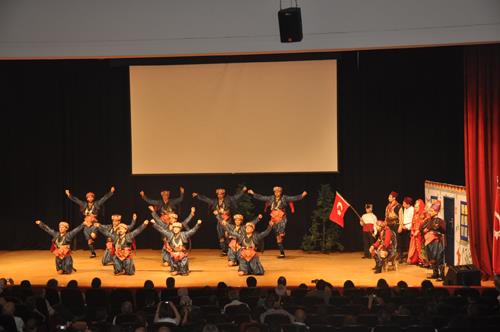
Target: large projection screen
x,y
252,117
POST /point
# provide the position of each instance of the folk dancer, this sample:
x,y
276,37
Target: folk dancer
x,y
90,210
61,245
233,253
177,240
249,242
116,220
123,243
278,203
221,203
165,205
434,236
168,224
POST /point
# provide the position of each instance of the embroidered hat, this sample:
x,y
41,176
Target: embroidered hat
x,y
64,224
177,224
408,200
249,224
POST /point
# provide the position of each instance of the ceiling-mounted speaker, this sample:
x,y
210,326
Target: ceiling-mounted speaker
x,y
290,21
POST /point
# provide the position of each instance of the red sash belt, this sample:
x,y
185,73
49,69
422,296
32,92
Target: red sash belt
x,y
368,228
89,221
248,254
179,255
277,215
61,252
111,247
123,253
233,244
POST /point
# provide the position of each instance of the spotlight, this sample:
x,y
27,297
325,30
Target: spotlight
x,y
290,22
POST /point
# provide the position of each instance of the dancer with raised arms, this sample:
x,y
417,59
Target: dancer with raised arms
x,y
61,245
249,241
278,203
90,210
177,241
116,220
221,203
123,244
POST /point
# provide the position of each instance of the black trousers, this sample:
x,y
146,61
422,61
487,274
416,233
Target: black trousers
x,y
403,243
367,243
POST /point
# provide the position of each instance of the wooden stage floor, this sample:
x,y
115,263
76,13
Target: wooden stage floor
x,y
208,268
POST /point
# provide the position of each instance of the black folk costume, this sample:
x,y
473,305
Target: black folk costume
x,y
278,204
222,204
61,246
90,212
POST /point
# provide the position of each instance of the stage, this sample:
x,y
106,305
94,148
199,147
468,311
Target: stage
x,y
208,268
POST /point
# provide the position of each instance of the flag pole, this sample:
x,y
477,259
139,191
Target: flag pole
x,y
354,210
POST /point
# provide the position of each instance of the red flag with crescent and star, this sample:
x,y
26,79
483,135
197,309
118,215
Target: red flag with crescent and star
x,y
496,234
339,209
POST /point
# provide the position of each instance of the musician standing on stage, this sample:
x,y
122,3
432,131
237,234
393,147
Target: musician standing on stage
x,y
90,210
434,231
61,242
221,204
278,203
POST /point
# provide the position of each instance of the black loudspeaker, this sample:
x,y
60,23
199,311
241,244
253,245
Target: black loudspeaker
x,y
465,275
290,20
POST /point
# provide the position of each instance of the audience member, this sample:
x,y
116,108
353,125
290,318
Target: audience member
x,y
235,300
166,312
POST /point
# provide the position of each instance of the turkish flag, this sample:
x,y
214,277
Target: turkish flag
x,y
339,209
496,234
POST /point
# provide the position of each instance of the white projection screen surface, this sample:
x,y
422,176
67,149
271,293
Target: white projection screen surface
x,y
253,117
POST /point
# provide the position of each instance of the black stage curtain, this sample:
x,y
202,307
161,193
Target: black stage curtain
x,y
66,124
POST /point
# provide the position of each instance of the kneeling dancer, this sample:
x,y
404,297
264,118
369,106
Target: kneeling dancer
x,y
123,242
177,241
109,252
61,245
249,242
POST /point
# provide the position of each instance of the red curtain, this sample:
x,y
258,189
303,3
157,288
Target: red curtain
x,y
482,147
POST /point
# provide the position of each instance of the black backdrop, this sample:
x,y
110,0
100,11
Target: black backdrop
x,y
66,124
